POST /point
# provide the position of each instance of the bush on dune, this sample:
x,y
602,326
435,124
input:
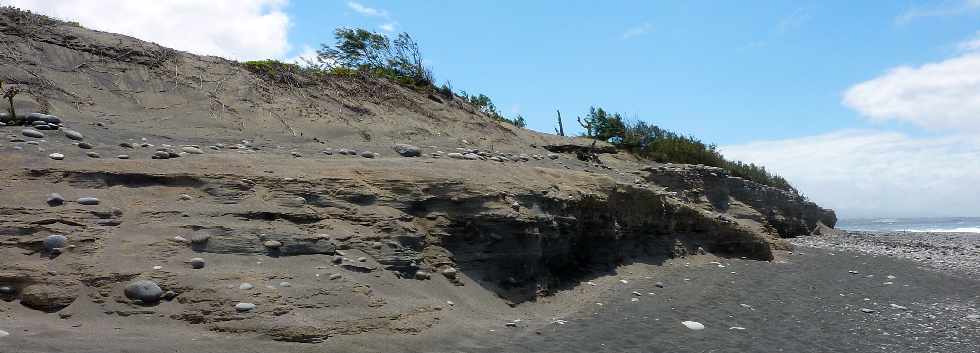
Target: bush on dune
x,y
654,143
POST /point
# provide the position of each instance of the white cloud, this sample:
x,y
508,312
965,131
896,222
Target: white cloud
x,y
970,44
638,30
307,54
864,173
235,29
366,11
388,27
942,9
941,95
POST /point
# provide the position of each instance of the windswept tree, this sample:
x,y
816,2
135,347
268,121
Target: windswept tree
x,y
365,51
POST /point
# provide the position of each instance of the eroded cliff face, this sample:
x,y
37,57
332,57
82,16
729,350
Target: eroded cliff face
x,y
330,244
785,212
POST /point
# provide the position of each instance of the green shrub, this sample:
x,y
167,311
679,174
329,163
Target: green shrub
x,y
664,146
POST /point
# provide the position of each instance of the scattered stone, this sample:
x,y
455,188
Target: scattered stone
x,y
334,276
91,154
3,334
296,154
471,156
362,259
638,294
192,150
694,325
72,134
338,259
123,156
285,284
899,307
169,295
407,150
272,244
56,156
455,155
739,328
55,242
144,290
450,303
88,201
197,263
867,311
32,133
184,197
126,145
973,317
450,273
422,275
84,145
659,284
243,307
245,286
55,199
368,154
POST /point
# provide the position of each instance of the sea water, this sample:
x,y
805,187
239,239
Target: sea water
x,y
938,225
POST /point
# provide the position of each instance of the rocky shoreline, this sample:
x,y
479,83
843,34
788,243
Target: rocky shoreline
x,y
953,253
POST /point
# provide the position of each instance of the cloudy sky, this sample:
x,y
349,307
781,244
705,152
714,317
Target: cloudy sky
x,y
869,107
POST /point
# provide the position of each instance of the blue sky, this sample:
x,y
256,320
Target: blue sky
x,y
869,107
729,72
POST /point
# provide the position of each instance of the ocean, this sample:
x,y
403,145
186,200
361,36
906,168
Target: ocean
x,y
938,225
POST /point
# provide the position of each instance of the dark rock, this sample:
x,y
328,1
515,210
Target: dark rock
x,y
126,145
7,290
55,241
407,150
368,154
197,263
123,156
55,199
72,134
84,145
143,290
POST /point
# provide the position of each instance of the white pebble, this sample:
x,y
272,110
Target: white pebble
x,y
694,325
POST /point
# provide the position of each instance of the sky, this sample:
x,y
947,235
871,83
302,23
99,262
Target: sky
x,y
868,107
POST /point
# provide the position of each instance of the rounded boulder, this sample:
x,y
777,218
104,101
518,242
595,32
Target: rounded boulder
x,y
144,290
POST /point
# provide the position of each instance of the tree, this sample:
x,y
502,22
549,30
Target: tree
x,y
375,53
9,94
